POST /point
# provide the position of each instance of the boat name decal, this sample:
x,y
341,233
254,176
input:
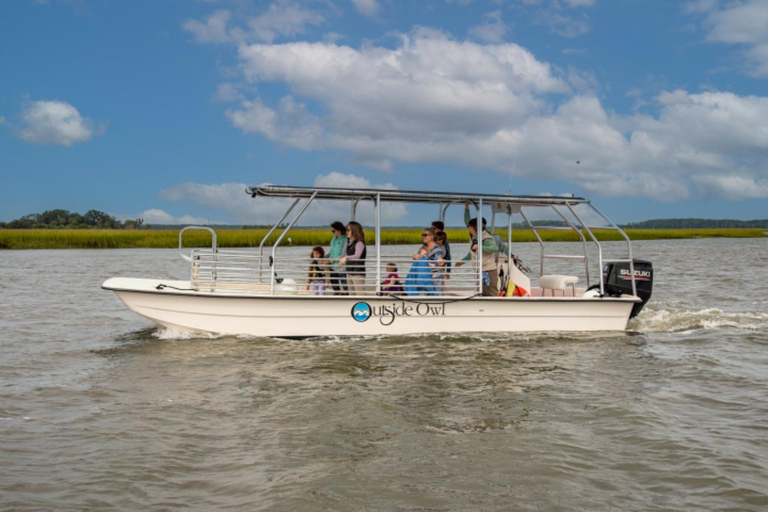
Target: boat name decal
x,y
387,314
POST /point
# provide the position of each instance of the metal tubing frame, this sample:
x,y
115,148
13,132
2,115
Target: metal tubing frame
x,y
597,243
266,237
377,220
479,232
541,242
280,239
404,196
583,241
442,208
509,245
190,258
214,244
629,247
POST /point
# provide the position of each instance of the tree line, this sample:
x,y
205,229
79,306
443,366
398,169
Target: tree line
x,y
697,224
92,219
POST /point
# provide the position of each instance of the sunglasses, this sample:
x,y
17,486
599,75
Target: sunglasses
x,y
425,234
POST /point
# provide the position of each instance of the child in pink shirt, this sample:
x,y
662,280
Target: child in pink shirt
x,y
392,283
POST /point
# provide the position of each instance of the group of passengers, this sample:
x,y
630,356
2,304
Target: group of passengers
x,y
343,269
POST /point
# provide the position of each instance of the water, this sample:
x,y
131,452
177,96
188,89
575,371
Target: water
x,y
99,409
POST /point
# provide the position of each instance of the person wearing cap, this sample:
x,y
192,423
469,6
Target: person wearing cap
x,y
500,244
490,270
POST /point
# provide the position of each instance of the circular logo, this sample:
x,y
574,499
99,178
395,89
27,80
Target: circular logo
x,y
361,311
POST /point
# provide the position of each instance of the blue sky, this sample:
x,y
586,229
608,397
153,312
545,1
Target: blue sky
x,y
166,110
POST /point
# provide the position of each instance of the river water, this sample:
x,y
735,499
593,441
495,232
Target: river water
x,y
101,410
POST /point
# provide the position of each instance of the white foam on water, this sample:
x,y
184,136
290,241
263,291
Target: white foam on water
x,y
681,321
176,333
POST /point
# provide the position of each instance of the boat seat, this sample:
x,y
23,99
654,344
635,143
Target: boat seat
x,y
557,282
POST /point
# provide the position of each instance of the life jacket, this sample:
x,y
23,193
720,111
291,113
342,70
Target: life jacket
x,y
355,266
316,271
514,290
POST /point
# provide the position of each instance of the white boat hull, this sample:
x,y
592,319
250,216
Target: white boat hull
x,y
176,306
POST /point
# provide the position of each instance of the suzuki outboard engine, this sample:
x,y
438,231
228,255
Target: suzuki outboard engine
x,y
617,278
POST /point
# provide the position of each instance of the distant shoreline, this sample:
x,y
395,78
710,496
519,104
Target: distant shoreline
x,y
15,239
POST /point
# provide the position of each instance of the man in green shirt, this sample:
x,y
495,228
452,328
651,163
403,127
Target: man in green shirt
x,y
490,270
503,247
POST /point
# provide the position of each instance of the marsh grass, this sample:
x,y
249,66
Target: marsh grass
x,y
134,239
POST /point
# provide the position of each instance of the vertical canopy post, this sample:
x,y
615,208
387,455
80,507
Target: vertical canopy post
x,y
280,239
597,243
583,240
377,220
479,233
266,237
629,247
541,242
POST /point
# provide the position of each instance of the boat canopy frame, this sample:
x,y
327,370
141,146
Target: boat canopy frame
x,y
406,196
500,203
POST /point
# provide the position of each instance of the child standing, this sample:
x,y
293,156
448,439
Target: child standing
x,y
317,278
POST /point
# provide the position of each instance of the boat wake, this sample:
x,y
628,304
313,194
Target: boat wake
x,y
180,334
169,333
669,320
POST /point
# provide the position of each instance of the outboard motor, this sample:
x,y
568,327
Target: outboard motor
x,y
617,278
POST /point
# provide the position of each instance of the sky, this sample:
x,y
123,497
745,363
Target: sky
x,y
167,110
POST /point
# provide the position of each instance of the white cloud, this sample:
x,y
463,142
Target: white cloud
x,y
228,92
562,24
718,121
214,30
332,37
744,23
283,18
425,82
366,7
758,55
55,122
698,6
735,187
434,99
574,51
232,199
290,125
155,216
492,31
559,16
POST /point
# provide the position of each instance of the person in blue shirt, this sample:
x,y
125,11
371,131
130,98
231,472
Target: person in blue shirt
x,y
336,252
424,277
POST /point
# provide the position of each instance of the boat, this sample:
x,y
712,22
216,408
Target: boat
x,y
261,291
